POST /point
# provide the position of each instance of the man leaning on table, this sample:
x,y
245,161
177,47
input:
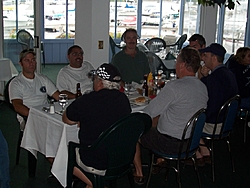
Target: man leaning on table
x,y
95,112
131,62
172,108
29,88
76,72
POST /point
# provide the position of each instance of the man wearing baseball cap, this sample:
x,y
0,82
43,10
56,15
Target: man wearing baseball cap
x,y
95,112
221,85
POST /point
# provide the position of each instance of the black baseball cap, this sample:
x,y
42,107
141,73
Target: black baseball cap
x,y
215,49
108,72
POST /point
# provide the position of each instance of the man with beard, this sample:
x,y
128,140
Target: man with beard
x,y
76,72
131,63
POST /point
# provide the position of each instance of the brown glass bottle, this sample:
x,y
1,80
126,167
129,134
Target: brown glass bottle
x,y
145,86
78,90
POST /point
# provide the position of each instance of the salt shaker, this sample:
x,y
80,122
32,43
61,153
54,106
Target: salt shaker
x,y
52,107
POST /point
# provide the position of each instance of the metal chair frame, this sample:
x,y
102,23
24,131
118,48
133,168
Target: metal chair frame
x,y
196,124
229,112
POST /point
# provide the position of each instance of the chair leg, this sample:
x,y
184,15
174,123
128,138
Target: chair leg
x,y
212,160
178,174
197,172
31,165
19,146
150,170
131,180
245,126
231,156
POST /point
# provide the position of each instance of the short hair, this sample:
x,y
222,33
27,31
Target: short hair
x,y
26,52
71,48
197,37
219,58
191,57
241,54
129,30
109,85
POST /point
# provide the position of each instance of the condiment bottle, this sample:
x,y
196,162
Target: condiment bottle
x,y
145,86
52,107
150,80
78,90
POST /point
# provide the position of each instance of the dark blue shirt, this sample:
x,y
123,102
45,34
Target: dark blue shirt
x,y
221,85
242,75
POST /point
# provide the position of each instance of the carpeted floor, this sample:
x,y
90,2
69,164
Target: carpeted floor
x,y
224,177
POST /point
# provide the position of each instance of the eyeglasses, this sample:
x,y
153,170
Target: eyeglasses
x,y
77,54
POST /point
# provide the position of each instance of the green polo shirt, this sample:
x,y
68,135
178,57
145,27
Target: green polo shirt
x,y
131,68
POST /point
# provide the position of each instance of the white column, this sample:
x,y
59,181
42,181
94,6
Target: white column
x,y
92,27
208,19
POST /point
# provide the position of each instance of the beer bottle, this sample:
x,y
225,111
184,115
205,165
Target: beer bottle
x,y
145,86
78,90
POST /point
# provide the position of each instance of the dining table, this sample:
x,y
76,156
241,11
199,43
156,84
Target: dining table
x,y
46,133
7,71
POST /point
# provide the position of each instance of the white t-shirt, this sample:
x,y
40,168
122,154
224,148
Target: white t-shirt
x,y
68,77
33,92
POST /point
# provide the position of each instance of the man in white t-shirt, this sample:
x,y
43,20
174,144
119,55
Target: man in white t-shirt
x,y
76,72
29,88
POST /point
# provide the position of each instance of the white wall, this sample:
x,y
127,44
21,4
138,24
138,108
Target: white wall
x,y
92,25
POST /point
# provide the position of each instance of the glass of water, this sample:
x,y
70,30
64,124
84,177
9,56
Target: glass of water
x,y
63,100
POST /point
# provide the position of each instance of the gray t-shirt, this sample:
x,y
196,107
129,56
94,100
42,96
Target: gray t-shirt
x,y
176,104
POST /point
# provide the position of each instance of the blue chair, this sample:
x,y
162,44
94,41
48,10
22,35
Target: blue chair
x,y
227,114
194,126
119,141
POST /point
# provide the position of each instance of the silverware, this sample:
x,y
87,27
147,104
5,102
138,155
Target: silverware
x,y
59,113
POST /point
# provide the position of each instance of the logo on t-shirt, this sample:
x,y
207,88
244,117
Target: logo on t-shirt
x,y
43,89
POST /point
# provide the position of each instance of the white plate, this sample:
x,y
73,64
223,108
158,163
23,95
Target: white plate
x,y
132,101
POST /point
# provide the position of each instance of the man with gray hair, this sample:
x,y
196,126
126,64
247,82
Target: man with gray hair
x,y
171,109
95,112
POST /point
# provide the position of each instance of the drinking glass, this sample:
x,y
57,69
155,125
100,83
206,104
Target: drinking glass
x,y
63,100
127,87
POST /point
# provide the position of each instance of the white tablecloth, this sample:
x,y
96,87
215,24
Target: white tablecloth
x,y
7,71
47,134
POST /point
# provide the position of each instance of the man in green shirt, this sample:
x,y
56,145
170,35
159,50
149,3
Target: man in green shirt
x,y
131,63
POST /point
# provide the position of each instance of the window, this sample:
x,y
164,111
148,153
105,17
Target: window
x,y
59,19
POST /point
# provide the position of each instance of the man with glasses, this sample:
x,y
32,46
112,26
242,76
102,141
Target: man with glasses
x,y
76,72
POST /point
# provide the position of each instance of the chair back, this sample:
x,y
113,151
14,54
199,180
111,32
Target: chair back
x,y
119,141
113,46
229,112
155,63
6,93
25,39
181,41
178,44
194,126
155,44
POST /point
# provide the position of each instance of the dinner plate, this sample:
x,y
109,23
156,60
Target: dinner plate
x,y
132,101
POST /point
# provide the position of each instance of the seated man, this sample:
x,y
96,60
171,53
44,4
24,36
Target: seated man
x,y
239,64
221,85
95,112
76,72
29,88
131,62
176,103
198,42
